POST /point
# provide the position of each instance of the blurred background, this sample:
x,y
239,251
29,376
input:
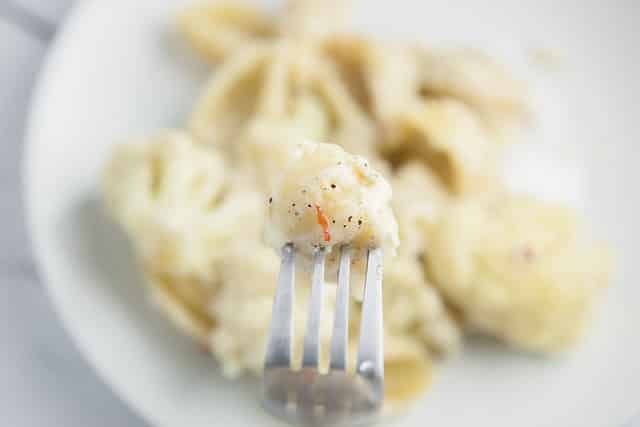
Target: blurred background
x,y
45,381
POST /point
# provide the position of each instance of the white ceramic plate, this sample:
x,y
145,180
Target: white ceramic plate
x,y
116,70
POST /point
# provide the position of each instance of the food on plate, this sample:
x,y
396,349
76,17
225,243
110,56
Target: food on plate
x,y
327,198
216,30
286,86
158,189
473,77
411,302
387,74
313,19
449,138
416,214
416,170
518,269
171,195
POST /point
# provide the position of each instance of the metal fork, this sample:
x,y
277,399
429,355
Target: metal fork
x,y
308,396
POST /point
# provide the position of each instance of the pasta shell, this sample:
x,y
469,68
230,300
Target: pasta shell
x,y
216,30
519,270
448,137
478,80
285,88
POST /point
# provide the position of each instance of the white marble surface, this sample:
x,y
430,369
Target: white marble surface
x,y
44,380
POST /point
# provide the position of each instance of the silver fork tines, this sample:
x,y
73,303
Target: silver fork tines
x,y
280,343
308,396
340,338
370,357
311,354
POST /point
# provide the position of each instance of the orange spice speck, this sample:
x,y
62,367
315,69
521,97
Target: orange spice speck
x,y
323,221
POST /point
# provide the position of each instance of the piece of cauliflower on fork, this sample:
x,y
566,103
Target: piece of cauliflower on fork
x,y
328,198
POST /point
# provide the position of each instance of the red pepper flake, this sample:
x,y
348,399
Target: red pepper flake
x,y
323,221
528,254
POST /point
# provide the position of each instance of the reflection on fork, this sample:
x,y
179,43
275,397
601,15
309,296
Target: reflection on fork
x,y
308,396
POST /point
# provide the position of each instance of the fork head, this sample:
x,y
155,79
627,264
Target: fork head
x,y
310,397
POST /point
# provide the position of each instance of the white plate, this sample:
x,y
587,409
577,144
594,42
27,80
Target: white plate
x,y
116,71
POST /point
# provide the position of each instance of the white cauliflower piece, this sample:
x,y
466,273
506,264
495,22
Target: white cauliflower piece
x,y
519,270
327,197
176,204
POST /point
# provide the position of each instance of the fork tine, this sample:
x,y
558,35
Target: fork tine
x,y
340,338
311,352
279,344
370,348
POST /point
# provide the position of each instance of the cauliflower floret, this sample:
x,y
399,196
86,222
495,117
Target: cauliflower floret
x,y
327,197
167,175
173,199
518,269
448,137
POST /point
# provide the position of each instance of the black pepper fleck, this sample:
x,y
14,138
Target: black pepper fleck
x,y
333,221
270,199
293,204
359,222
349,219
333,186
308,206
